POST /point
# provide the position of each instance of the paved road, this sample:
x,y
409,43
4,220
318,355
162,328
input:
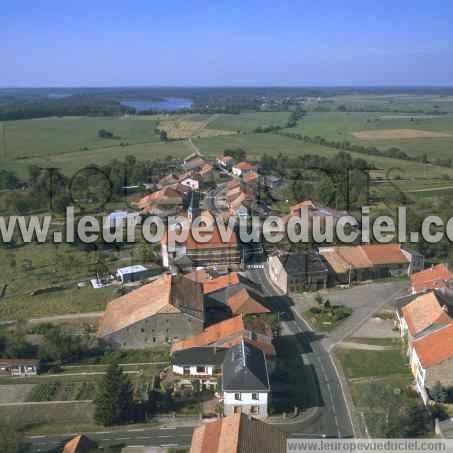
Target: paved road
x,y
333,418
158,437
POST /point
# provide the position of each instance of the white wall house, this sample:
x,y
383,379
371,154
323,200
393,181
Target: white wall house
x,y
254,403
245,381
419,374
191,182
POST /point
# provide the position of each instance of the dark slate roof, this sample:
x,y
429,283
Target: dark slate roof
x,y
301,264
199,356
245,369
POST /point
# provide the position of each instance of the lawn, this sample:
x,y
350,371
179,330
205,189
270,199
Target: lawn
x,y
247,122
341,126
365,364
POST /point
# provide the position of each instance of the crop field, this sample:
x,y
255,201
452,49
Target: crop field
x,y
258,144
247,122
52,136
71,162
416,135
185,127
389,102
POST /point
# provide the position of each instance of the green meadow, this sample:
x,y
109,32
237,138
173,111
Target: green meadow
x,y
340,126
247,122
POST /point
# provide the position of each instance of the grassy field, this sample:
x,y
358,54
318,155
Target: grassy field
x,y
386,102
247,122
358,364
51,136
379,384
71,162
258,144
341,126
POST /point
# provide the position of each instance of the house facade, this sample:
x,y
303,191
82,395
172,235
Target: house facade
x,y
245,381
154,314
19,367
366,262
201,363
298,272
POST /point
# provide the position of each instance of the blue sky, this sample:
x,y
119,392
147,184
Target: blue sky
x,y
109,43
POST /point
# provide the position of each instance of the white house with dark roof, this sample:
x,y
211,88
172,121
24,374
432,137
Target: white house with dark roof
x,y
245,381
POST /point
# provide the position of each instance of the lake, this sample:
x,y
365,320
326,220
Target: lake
x,y
167,104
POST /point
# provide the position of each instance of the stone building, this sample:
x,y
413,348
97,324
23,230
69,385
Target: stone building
x,y
157,313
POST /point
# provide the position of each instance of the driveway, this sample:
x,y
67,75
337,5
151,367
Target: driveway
x,y
365,300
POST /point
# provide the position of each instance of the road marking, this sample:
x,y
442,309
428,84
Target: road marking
x,y
165,427
103,432
135,430
169,445
36,437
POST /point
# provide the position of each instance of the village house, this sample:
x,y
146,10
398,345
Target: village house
x,y
166,200
226,334
202,363
420,314
238,433
193,162
205,172
79,444
242,168
434,277
130,274
431,360
225,162
228,295
190,182
214,252
365,262
245,381
19,367
298,271
154,314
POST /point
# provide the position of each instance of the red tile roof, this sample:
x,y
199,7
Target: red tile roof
x,y
436,347
212,334
433,278
250,177
342,258
141,303
238,434
79,444
245,166
423,312
215,241
243,303
210,284
385,254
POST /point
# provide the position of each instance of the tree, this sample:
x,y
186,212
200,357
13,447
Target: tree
x,y
114,397
439,393
163,136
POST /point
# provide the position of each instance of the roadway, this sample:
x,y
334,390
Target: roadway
x,y
156,437
332,417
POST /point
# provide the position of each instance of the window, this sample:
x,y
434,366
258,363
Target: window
x,y
154,339
237,409
255,396
254,409
142,330
237,396
201,369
